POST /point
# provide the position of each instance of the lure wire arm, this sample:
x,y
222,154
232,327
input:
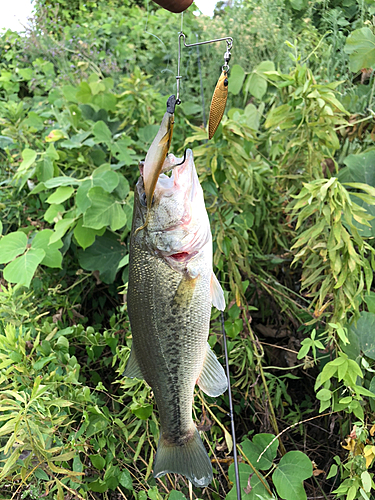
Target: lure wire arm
x,y
227,56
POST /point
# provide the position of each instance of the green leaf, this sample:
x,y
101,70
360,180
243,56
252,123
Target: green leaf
x,y
104,256
369,299
60,195
41,474
125,479
105,178
55,135
299,4
106,101
360,45
293,469
142,411
105,210
85,236
5,142
257,488
97,461
28,158
22,269
256,82
102,133
11,245
99,486
254,448
53,212
84,94
324,395
61,181
176,495
236,78
364,331
53,257
61,227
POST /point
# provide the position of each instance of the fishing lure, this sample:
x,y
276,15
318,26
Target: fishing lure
x,y
219,100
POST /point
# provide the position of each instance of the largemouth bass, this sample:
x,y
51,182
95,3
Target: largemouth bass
x,y
171,290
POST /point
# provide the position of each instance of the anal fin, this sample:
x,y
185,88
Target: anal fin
x,y
133,369
217,294
212,379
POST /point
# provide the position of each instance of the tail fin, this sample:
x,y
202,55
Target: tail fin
x,y
190,460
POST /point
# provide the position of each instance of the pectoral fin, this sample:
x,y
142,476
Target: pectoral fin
x,y
212,379
133,369
217,294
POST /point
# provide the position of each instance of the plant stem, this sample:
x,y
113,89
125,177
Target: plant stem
x,y
258,353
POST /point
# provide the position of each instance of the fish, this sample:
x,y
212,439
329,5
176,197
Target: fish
x,y
218,103
171,290
158,150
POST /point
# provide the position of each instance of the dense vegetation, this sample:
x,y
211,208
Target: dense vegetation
x,y
289,180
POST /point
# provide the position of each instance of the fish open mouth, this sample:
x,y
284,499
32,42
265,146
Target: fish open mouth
x,y
180,256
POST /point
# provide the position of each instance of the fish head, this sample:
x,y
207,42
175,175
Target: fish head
x,y
177,227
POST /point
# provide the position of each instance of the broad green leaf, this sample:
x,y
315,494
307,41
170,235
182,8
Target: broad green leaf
x,y
257,488
105,178
99,486
292,470
85,236
370,301
96,87
82,200
61,227
359,168
45,169
324,395
104,256
364,331
254,448
12,245
236,78
55,135
105,210
360,45
84,94
22,269
97,461
256,82
102,133
298,4
41,474
176,495
106,101
256,85
1,228
5,142
28,158
142,411
53,212
53,257
125,479
60,195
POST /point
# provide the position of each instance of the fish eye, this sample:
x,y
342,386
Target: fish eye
x,y
226,82
143,199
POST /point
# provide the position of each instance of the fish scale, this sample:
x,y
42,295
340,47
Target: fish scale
x,y
175,332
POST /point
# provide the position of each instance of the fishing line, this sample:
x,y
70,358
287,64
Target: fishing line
x,y
238,487
201,80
